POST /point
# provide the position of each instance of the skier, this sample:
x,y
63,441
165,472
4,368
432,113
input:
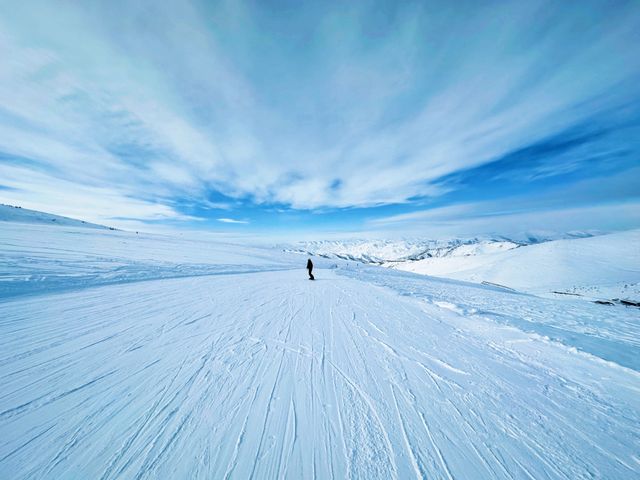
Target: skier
x,y
310,268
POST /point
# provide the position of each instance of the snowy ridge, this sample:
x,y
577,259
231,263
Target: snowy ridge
x,y
365,373
10,213
602,267
389,251
386,251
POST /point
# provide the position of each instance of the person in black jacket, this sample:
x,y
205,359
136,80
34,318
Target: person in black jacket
x,y
310,268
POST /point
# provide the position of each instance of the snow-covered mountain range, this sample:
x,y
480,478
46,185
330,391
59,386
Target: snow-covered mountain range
x,y
602,267
381,252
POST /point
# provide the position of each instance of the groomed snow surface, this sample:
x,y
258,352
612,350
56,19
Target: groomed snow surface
x,y
138,356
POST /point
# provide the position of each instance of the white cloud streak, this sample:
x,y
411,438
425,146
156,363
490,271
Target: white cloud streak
x,y
231,220
121,120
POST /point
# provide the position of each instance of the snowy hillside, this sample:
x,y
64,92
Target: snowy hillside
x,y
10,213
606,266
600,267
144,356
34,258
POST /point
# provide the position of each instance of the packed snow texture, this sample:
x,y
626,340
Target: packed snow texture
x,y
38,259
139,356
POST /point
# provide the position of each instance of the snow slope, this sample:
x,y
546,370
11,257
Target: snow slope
x,y
37,258
605,266
364,373
9,213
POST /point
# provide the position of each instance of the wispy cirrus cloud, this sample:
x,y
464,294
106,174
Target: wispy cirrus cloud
x,y
155,111
609,202
232,220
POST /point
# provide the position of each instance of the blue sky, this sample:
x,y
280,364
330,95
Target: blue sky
x,y
324,118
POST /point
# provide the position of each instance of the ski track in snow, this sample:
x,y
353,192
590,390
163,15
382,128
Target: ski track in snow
x,y
267,375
